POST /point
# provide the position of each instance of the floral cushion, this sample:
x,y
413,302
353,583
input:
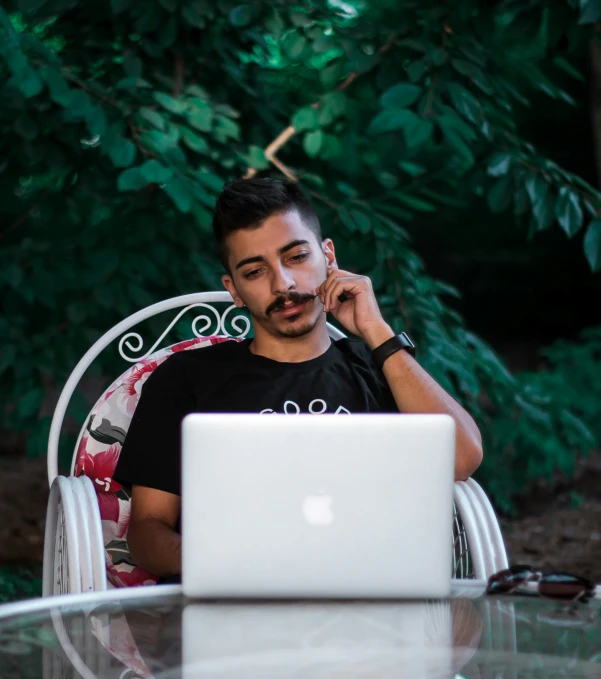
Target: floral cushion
x,y
98,451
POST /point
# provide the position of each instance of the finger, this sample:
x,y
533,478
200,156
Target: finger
x,y
333,277
330,279
349,286
331,297
321,289
342,285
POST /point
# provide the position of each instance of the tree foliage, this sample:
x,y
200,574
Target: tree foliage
x,y
119,128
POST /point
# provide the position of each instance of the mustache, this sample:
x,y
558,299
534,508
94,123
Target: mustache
x,y
294,297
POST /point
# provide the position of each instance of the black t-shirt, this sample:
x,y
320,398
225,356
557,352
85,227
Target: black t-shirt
x,y
229,378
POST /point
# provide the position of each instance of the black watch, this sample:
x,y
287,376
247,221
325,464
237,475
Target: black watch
x,y
391,346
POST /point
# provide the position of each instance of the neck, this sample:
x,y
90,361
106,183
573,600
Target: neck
x,y
292,349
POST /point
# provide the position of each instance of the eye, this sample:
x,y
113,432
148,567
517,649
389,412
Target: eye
x,y
252,274
300,257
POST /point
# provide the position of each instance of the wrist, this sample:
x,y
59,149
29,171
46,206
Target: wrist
x,y
377,334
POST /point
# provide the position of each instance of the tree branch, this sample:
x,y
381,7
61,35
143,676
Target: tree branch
x,y
583,194
323,199
178,75
136,138
290,131
85,86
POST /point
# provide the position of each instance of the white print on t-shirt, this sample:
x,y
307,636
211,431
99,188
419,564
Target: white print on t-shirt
x,y
317,407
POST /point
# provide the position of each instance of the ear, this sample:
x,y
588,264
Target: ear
x,y
228,284
330,254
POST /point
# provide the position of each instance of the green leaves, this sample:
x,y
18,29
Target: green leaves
x,y
29,404
465,102
458,135
150,172
415,203
294,45
200,114
474,73
241,15
131,180
193,141
132,65
305,119
57,85
155,173
498,165
122,152
332,106
332,74
29,82
400,96
416,130
169,103
500,194
193,15
592,245
355,220
543,203
568,211
153,117
179,194
255,158
590,11
390,120
7,357
313,142
226,129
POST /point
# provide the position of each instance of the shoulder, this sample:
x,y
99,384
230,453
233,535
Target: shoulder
x,y
355,348
225,350
179,364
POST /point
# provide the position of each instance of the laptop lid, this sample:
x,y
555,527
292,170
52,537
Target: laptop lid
x,y
317,507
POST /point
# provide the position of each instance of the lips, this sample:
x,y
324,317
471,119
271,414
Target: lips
x,y
291,310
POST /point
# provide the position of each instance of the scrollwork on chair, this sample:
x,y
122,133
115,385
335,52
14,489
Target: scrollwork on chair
x,y
235,322
218,319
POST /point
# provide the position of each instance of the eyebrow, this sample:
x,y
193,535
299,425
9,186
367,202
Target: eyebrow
x,y
281,251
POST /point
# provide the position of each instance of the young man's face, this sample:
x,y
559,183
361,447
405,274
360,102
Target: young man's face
x,y
275,270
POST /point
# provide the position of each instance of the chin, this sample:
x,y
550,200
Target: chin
x,y
296,327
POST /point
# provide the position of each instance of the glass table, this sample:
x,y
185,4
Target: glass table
x,y
157,632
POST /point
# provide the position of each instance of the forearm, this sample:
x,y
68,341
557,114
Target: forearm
x,y
155,547
415,391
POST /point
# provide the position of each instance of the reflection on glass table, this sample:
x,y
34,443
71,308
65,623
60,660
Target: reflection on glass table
x,y
156,632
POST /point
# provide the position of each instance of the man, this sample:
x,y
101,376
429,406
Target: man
x,y
277,265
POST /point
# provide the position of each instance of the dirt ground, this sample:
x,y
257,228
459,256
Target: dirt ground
x,y
550,532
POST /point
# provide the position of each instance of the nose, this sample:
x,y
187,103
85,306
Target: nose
x,y
282,282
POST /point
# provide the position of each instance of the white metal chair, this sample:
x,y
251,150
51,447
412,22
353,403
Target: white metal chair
x,y
78,541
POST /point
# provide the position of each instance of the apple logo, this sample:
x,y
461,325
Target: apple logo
x,y
317,509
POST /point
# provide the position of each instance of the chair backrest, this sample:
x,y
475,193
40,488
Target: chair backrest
x,y
99,442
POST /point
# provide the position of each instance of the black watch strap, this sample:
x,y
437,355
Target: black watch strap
x,y
391,346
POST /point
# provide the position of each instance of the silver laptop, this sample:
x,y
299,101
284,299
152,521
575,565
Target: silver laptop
x,y
301,506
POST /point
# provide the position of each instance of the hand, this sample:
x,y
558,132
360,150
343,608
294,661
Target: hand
x,y
359,313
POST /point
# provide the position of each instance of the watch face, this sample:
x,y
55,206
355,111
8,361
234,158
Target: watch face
x,y
405,336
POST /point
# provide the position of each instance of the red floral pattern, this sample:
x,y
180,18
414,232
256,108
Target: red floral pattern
x,y
132,386
98,461
186,344
99,467
136,577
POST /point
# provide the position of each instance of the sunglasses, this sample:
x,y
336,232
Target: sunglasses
x,y
563,586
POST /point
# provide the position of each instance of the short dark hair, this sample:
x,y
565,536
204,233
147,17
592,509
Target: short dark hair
x,y
247,203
